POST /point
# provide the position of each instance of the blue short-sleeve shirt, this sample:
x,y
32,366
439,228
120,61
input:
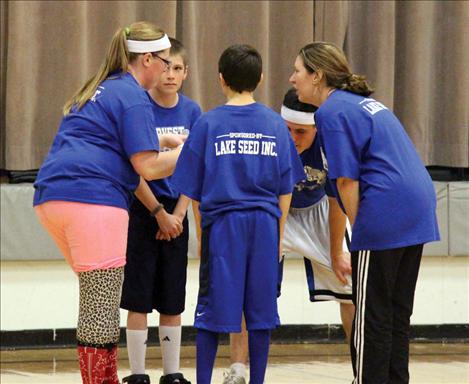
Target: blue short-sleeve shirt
x,y
236,158
89,158
362,140
177,119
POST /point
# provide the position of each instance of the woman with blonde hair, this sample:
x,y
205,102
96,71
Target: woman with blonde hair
x,y
386,192
105,142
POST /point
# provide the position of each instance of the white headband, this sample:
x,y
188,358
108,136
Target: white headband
x,y
144,46
297,117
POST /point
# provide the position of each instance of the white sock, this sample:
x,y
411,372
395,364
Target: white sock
x,y
136,349
170,342
239,369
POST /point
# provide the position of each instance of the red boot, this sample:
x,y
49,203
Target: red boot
x,y
93,363
111,368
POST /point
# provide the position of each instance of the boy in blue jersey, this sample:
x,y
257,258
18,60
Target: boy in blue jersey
x,y
388,196
240,165
155,273
315,228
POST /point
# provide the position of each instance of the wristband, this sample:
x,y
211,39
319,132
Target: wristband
x,y
155,210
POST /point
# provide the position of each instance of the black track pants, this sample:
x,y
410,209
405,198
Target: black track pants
x,y
383,294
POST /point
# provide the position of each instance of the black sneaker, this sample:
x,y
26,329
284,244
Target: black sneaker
x,y
137,379
174,378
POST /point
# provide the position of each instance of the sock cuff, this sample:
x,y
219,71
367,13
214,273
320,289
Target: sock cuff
x,y
137,332
239,369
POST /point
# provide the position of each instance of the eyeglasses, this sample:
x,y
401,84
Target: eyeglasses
x,y
167,63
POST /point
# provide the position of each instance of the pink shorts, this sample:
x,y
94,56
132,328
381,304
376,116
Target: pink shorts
x,y
90,236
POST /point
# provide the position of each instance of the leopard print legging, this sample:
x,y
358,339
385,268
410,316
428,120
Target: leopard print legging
x,y
100,294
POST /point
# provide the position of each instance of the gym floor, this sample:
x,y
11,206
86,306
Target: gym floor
x,y
430,363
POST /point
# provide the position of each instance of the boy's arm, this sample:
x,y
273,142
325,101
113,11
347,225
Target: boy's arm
x,y
170,226
198,225
284,204
339,258
145,195
181,207
178,213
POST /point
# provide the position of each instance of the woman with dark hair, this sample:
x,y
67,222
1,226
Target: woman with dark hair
x,y
386,192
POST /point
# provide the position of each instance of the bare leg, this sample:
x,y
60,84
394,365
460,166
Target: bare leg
x,y
136,321
239,357
347,313
170,320
239,346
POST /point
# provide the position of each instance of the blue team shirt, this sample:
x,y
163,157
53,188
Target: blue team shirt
x,y
173,120
238,158
363,140
311,189
89,158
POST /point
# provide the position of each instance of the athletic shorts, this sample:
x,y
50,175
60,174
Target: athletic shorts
x,y
239,272
90,236
156,271
307,234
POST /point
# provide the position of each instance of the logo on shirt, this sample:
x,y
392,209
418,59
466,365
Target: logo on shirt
x,y
244,143
372,106
176,129
96,93
315,178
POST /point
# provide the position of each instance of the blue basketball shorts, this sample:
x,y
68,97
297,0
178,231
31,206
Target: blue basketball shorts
x,y
239,272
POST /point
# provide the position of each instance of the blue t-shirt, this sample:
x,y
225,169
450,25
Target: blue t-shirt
x,y
237,158
362,140
89,158
311,189
173,120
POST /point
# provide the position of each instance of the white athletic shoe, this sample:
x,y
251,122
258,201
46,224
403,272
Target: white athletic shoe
x,y
230,377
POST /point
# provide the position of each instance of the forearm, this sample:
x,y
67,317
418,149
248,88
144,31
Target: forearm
x,y
337,225
145,195
350,196
197,219
284,204
153,165
181,206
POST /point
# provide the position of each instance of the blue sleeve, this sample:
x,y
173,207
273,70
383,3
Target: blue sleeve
x,y
342,146
137,130
188,177
328,188
291,167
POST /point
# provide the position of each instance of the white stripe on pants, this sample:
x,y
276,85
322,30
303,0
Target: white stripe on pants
x,y
359,335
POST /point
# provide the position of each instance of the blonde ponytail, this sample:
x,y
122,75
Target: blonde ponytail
x,y
116,61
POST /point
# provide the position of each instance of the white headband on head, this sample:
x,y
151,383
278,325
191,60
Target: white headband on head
x,y
297,117
144,46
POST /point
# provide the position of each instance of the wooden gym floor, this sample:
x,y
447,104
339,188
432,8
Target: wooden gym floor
x,y
432,363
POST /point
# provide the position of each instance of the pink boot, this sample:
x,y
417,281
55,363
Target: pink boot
x,y
93,363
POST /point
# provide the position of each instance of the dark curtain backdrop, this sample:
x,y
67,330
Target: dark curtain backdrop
x,y
413,52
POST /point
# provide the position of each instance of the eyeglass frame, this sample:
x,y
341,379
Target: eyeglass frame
x,y
166,62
